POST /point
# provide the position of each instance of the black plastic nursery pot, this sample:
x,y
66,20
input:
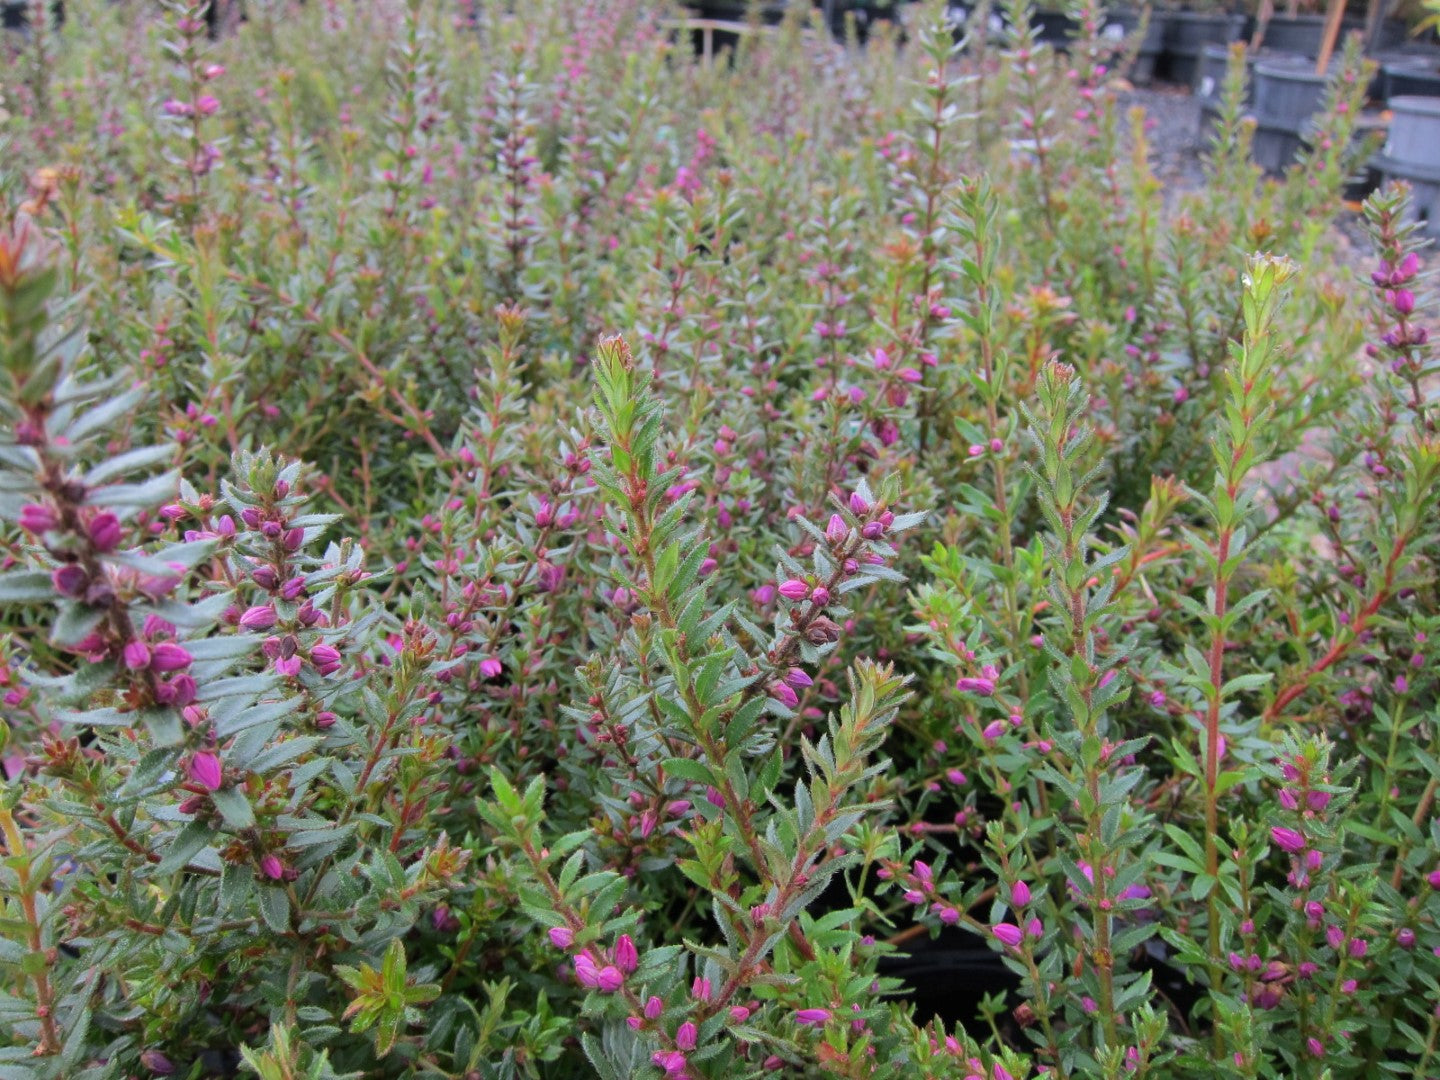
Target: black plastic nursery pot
x,y
1301,35
1188,32
1287,92
1414,139
959,16
1408,76
1120,23
1054,28
15,14
1288,89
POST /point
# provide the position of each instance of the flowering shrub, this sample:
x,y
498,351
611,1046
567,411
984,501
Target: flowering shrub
x,y
525,555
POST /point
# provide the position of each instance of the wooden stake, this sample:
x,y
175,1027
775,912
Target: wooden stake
x,y
1333,15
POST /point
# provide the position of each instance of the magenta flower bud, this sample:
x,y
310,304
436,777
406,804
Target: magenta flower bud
x,y
1405,938
685,1036
326,659
783,694
292,588
763,595
1007,934
1020,894
1359,947
136,656
1315,1047
609,979
627,958
994,730
909,375
491,667
836,530
1035,928
739,1013
975,685
1288,799
37,519
1288,839
562,937
325,720
670,1062
586,973
1434,878
1404,301
955,776
287,667
882,359
701,989
812,1017
798,679
794,589
858,505
207,105
272,867
182,690
177,108
206,771
820,595
914,896
157,1063
716,799
70,580
169,656
1334,937
654,1006
260,617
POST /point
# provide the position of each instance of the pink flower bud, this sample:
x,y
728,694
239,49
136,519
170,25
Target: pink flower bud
x,y
812,1017
137,656
654,1006
260,617
207,105
783,694
326,659
685,1036
858,505
794,589
205,770
1288,839
627,959
820,595
272,867
1007,934
609,979
836,530
37,519
562,937
170,656
70,580
1020,894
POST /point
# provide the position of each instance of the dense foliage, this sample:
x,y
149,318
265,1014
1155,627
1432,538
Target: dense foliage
x,y
528,555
